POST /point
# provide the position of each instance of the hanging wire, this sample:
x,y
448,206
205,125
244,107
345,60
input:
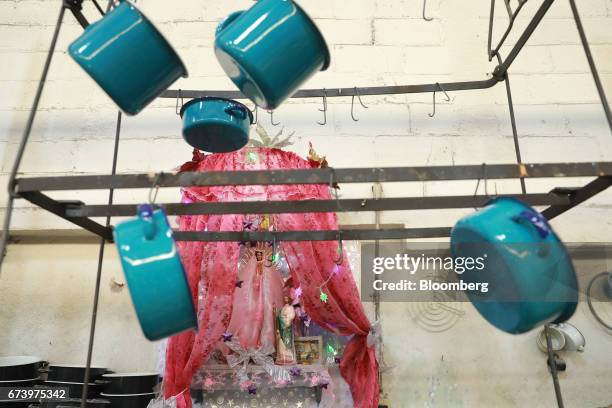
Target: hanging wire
x,y
424,7
486,182
334,190
154,189
95,2
353,105
324,110
273,259
431,115
178,96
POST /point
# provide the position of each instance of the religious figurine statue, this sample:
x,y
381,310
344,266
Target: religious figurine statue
x,y
285,350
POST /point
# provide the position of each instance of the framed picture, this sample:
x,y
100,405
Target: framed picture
x,y
309,350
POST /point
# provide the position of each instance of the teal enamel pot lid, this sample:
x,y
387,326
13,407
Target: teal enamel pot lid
x,y
127,57
529,274
216,125
270,50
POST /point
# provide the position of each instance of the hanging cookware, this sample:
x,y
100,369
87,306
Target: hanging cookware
x,y
528,272
557,340
154,274
73,373
15,368
75,389
270,50
216,125
30,382
128,57
574,340
75,402
129,383
129,400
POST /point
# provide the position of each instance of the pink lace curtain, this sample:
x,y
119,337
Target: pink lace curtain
x,y
212,266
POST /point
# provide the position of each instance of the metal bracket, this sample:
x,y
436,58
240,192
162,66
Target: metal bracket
x,y
76,7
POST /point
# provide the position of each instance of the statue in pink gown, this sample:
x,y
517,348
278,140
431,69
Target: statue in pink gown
x,y
259,290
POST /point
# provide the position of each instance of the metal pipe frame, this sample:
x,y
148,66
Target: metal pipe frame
x,y
558,201
328,175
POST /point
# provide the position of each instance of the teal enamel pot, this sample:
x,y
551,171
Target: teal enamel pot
x,y
127,57
270,50
154,274
529,274
216,125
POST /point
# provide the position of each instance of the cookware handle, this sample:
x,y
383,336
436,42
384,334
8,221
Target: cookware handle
x,y
535,220
228,20
237,110
145,213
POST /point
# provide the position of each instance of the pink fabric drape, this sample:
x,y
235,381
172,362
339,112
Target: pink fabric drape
x,y
214,265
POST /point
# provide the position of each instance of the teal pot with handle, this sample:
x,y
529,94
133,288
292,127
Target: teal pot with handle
x,y
270,50
154,274
127,57
216,125
529,274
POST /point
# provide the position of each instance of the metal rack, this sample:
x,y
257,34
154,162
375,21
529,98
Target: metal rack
x,y
558,201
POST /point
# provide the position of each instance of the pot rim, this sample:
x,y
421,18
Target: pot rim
x,y
113,375
215,98
16,381
75,366
70,382
125,395
163,37
26,360
327,61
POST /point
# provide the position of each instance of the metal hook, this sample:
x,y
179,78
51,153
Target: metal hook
x,y
255,114
271,112
271,259
176,108
154,189
431,115
340,259
424,17
324,110
353,104
486,182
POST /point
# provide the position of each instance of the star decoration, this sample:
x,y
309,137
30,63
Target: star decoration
x,y
252,157
295,371
227,336
299,404
239,284
323,296
247,225
252,389
298,292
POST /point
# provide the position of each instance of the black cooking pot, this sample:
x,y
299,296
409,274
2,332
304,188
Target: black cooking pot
x,y
15,368
75,402
73,373
20,383
129,400
14,404
129,383
75,389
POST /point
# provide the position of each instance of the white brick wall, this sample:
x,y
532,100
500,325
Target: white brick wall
x,y
373,42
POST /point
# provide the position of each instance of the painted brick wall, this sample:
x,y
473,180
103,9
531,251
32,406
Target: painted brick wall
x,y
373,42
